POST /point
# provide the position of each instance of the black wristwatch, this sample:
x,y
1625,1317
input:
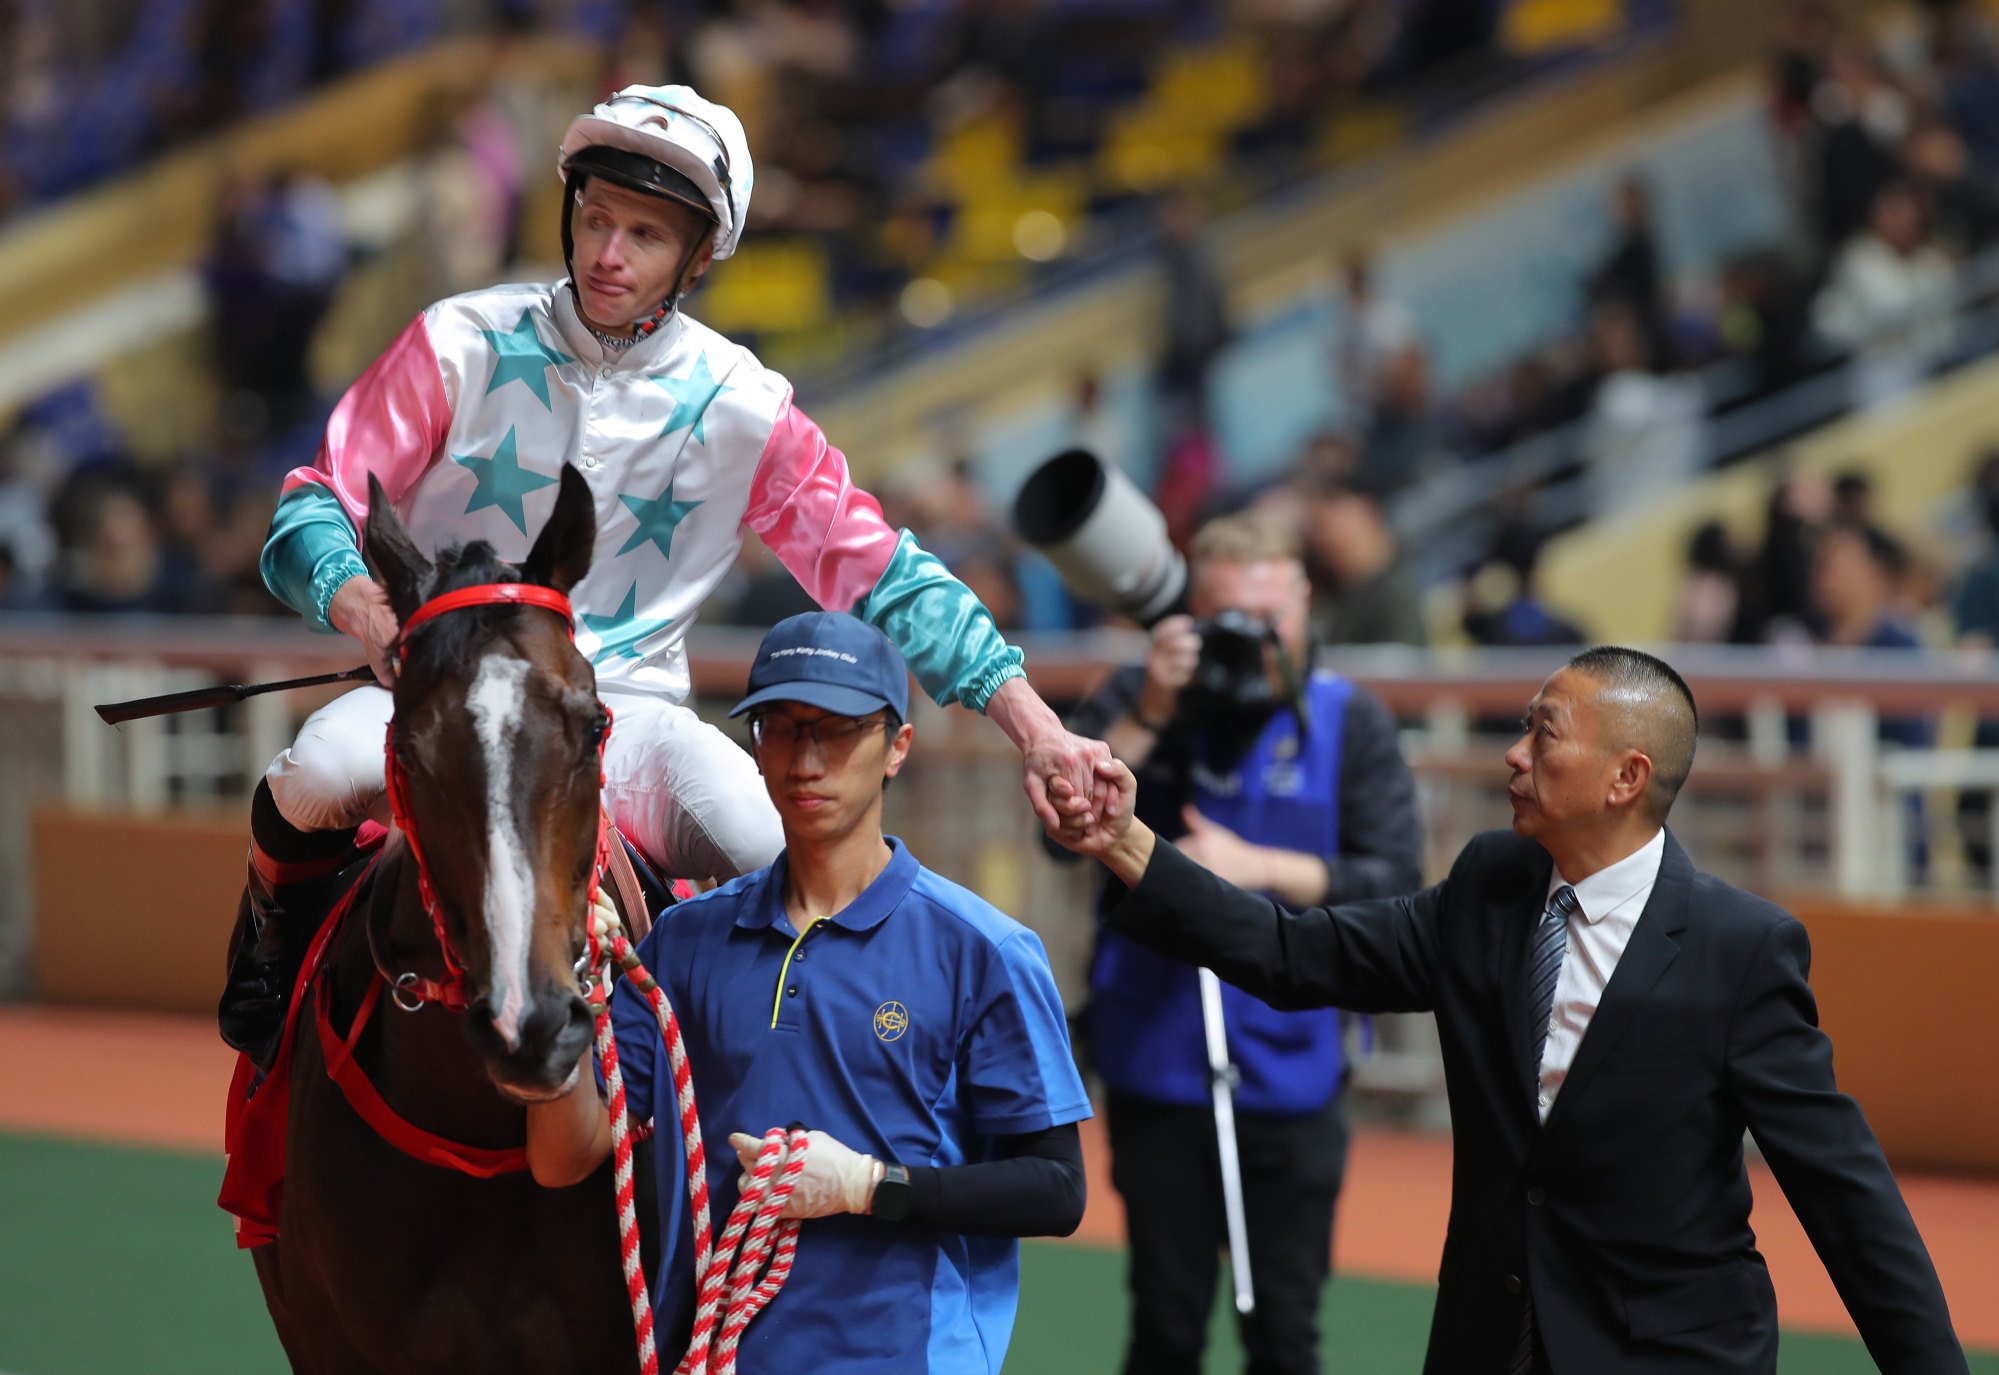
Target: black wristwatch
x,y
891,1199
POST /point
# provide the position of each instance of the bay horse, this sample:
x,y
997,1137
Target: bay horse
x,y
385,1262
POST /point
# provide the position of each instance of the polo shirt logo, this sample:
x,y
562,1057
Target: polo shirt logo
x,y
891,1020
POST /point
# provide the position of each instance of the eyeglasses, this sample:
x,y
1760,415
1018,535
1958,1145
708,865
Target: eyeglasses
x,y
833,734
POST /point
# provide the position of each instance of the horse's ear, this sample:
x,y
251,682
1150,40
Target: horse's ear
x,y
565,546
392,556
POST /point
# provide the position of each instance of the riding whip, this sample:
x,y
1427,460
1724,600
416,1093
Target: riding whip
x,y
112,713
1221,1074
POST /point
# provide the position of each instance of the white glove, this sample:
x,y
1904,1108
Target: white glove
x,y
836,1179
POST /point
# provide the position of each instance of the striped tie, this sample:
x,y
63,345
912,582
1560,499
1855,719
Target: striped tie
x,y
1544,967
1544,970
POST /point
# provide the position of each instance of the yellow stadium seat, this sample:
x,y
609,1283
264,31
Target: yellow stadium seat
x,y
1533,26
772,286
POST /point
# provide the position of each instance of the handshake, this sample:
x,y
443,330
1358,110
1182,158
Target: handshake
x,y
1103,827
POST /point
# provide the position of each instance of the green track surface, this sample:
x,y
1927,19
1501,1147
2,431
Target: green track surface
x,y
117,1260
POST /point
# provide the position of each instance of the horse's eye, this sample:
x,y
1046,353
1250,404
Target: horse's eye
x,y
600,726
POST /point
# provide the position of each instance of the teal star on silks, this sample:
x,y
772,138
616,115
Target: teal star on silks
x,y
692,396
657,519
619,633
522,357
502,482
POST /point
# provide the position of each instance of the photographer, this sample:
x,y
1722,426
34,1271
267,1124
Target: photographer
x,y
1281,780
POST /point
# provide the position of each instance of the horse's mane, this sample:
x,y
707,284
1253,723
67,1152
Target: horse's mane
x,y
450,639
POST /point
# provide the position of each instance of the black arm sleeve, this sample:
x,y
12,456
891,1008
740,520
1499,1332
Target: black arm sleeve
x,y
1381,837
1034,1189
1830,1165
1373,956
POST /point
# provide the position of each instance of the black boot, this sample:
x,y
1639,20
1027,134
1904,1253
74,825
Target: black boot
x,y
252,1011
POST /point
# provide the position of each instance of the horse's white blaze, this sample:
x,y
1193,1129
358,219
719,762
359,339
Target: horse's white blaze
x,y
495,703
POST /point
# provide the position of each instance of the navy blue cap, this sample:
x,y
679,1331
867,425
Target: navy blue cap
x,y
829,660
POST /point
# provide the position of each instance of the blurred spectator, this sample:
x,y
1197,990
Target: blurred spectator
x,y
1629,273
1764,315
1967,81
1373,332
1858,574
30,468
14,594
649,52
1093,427
1975,609
1190,479
1803,49
1195,327
1962,200
1363,593
1777,604
1404,439
1889,298
1853,498
1328,460
1975,603
112,559
475,183
1503,607
1857,579
1710,597
1646,429
271,275
1859,119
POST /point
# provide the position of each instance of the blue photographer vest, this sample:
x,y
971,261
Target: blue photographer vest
x,y
1145,1010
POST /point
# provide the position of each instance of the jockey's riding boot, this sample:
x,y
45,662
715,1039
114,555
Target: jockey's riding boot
x,y
252,1011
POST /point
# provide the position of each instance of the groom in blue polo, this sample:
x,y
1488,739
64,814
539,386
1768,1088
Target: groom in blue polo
x,y
911,1025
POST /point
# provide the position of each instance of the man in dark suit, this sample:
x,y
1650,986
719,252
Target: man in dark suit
x,y
1611,1021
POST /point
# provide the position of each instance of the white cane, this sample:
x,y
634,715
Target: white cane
x,y
1221,1075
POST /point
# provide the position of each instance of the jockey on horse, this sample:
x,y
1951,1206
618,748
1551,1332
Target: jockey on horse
x,y
686,440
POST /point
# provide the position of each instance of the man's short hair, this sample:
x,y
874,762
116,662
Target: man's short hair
x,y
1659,716
1245,537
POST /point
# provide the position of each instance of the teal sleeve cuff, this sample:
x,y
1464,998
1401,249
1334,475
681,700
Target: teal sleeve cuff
x,y
945,633
311,551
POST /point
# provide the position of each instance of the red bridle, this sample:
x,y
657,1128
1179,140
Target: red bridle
x,y
409,989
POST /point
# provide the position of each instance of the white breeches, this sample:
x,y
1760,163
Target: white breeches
x,y
686,794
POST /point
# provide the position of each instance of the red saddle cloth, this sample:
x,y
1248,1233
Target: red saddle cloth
x,y
253,1133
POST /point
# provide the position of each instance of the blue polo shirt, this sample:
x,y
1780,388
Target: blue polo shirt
x,y
916,1025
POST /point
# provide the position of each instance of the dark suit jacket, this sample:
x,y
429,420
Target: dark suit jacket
x,y
1626,1217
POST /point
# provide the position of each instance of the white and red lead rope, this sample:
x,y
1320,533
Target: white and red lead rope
x,y
754,1230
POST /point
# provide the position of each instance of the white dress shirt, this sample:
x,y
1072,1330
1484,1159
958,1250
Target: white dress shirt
x,y
1610,902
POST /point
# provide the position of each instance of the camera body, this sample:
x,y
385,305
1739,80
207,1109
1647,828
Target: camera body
x,y
1233,675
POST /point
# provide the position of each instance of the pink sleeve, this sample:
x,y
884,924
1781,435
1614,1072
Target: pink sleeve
x,y
805,506
389,423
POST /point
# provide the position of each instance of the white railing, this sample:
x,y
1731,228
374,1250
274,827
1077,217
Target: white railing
x,y
1759,810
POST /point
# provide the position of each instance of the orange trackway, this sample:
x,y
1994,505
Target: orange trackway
x,y
158,1081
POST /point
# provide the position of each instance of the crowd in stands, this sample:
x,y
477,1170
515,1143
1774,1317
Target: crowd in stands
x,y
861,116
1892,153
